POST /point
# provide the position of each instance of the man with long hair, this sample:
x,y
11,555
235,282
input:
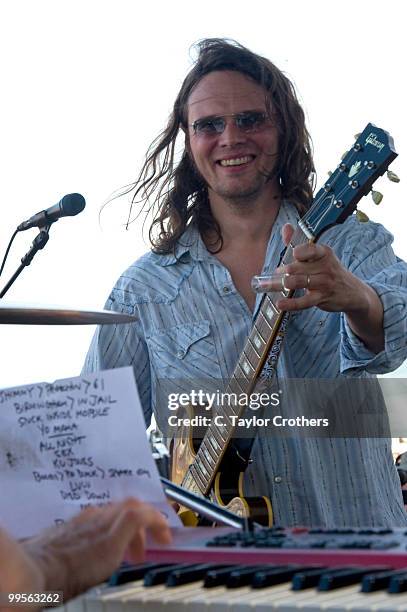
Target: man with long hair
x,y
223,208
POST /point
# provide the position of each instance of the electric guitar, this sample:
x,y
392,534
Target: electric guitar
x,y
215,467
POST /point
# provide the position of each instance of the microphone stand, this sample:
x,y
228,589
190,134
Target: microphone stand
x,y
39,243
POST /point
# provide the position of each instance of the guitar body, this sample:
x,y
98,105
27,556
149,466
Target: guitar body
x,y
227,489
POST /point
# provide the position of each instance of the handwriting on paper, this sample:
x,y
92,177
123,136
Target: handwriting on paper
x,y
71,444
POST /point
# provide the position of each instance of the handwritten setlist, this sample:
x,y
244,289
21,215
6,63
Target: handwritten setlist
x,y
70,444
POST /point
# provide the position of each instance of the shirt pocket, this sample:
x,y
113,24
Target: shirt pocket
x,y
186,351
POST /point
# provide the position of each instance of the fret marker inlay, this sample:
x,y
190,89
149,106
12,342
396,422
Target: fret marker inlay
x,y
270,312
246,367
257,342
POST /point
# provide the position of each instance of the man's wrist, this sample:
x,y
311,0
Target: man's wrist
x,y
366,319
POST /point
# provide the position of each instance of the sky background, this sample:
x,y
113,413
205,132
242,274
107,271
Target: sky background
x,y
86,86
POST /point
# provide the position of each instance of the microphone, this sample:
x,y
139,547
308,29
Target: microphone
x,y
70,205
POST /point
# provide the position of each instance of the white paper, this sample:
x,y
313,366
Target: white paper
x,y
73,443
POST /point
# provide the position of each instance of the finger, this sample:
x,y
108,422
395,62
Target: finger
x,y
310,252
287,233
303,268
138,518
300,303
135,550
157,525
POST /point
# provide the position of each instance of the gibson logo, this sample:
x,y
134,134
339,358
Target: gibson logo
x,y
372,139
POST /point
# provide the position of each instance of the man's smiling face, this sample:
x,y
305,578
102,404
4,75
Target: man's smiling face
x,y
234,162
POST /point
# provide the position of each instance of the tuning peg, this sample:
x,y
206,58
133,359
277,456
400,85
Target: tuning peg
x,y
329,173
392,177
357,135
361,216
377,197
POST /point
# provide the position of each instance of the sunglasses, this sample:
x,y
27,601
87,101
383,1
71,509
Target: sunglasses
x,y
249,121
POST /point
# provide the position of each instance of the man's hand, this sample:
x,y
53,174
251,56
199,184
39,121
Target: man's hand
x,y
331,287
82,552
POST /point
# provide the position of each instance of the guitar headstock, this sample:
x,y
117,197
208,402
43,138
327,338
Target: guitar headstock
x,y
369,157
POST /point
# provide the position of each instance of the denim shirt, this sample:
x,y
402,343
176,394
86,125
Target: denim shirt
x,y
192,325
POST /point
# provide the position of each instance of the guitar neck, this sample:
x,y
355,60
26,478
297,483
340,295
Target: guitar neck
x,y
265,338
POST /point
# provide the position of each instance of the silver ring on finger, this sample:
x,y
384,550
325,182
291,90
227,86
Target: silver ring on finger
x,y
308,281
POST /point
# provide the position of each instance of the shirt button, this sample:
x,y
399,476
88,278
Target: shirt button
x,y
277,479
180,354
226,289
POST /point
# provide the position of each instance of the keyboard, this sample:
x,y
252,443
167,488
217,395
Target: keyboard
x,y
205,587
285,570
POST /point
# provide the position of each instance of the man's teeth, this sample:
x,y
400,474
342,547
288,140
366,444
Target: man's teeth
x,y
235,162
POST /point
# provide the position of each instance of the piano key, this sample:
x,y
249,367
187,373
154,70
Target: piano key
x,y
170,599
135,595
243,576
368,602
276,575
345,600
138,599
307,579
191,574
308,601
160,575
131,573
280,597
344,577
316,601
379,581
398,583
231,600
98,599
191,599
201,599
387,603
73,605
217,577
260,599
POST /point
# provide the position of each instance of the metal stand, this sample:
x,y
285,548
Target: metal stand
x,y
206,508
39,243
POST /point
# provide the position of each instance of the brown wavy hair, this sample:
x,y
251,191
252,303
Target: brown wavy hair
x,y
174,192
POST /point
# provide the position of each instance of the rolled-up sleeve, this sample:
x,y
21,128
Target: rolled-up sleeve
x,y
372,259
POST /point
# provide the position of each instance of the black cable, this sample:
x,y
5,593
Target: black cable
x,y
7,251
